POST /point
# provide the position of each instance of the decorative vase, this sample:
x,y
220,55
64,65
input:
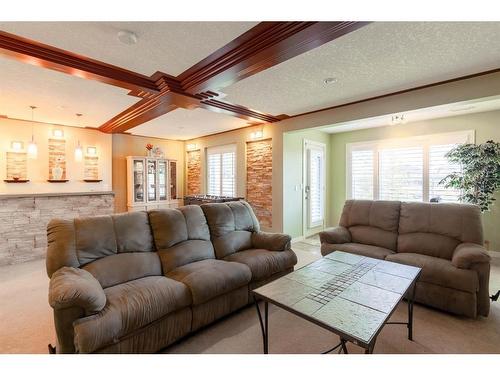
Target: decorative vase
x,y
150,153
57,173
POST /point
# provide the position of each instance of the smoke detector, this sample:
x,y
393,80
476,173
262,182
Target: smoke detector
x,y
127,37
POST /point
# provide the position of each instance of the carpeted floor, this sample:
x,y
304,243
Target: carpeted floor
x,y
26,324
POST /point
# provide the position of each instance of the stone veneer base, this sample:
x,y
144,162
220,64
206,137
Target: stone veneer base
x,y
24,219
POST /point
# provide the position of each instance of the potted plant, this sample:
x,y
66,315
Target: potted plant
x,y
479,177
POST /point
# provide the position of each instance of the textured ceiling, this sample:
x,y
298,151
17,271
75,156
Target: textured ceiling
x,y
377,59
187,124
170,47
58,96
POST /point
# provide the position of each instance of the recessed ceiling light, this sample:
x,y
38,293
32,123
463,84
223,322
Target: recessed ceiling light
x,y
330,80
127,37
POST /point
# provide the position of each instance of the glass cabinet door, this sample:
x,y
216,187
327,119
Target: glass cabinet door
x,y
173,179
162,180
151,181
138,180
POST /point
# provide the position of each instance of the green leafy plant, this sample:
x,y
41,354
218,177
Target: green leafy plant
x,y
479,177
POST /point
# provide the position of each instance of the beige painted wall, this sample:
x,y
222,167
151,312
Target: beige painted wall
x,y
38,169
129,145
486,126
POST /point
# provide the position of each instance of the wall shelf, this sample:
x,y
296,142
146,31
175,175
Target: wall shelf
x,y
91,180
16,181
57,181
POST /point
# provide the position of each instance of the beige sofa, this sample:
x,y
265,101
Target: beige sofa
x,y
137,282
445,240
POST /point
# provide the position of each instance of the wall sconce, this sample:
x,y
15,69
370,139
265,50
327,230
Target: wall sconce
x,y
192,146
58,133
256,134
92,151
78,152
16,145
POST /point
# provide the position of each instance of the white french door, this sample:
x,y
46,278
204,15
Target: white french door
x,y
314,187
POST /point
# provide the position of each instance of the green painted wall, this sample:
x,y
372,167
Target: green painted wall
x,y
293,177
486,126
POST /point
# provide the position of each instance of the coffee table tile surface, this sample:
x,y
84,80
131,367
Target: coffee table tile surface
x,y
348,293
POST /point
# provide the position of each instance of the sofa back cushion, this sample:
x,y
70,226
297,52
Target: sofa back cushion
x,y
81,241
435,229
181,236
372,222
231,226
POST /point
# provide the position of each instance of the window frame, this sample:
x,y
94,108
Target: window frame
x,y
221,150
425,141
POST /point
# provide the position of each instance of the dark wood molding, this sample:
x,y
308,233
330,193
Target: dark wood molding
x,y
263,46
39,54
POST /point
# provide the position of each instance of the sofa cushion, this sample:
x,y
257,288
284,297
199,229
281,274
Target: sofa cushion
x,y
439,271
169,227
130,306
264,263
211,278
432,244
357,248
185,252
379,214
459,221
133,232
232,242
94,238
373,236
197,227
120,268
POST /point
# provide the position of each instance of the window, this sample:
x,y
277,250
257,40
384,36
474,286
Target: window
x,y
221,170
407,169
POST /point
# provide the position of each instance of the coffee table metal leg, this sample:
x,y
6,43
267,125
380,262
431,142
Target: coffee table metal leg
x,y
411,298
344,346
262,328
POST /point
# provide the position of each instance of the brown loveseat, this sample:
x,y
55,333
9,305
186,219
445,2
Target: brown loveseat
x,y
445,240
137,282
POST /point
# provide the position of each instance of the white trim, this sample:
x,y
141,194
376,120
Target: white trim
x,y
305,213
422,140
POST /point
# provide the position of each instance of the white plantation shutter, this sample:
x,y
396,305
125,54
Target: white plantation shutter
x,y
316,186
439,168
221,170
408,169
401,172
362,174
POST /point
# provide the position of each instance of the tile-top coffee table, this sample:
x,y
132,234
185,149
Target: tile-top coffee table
x,y
350,295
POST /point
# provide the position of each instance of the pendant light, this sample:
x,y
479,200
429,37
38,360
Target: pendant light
x,y
78,148
32,146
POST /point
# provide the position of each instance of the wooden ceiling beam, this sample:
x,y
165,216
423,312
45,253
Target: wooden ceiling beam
x,y
39,54
265,45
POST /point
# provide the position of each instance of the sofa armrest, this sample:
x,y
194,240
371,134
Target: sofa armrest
x,y
466,254
335,235
271,241
75,287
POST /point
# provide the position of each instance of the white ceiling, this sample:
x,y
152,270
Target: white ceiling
x,y
58,96
377,59
185,124
448,110
170,47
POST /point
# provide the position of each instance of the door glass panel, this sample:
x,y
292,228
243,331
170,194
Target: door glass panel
x,y
162,180
151,180
138,180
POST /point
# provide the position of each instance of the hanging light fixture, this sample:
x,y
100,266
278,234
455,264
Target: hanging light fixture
x,y
78,148
32,146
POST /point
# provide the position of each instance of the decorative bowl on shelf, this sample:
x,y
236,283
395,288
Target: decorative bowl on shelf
x,y
15,178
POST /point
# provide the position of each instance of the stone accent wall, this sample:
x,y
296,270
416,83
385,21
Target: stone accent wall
x,y
259,180
194,172
23,221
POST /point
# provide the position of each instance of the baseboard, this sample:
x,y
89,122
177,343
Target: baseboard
x,y
298,239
